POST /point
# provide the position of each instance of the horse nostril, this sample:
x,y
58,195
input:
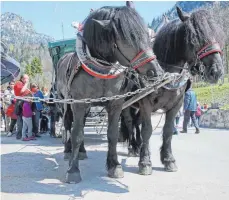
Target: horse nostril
x,y
213,72
150,73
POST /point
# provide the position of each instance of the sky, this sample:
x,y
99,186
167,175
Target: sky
x,y
47,17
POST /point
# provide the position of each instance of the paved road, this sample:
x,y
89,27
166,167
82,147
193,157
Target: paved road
x,y
36,170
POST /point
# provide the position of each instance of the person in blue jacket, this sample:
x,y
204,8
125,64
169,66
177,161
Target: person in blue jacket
x,y
190,106
37,108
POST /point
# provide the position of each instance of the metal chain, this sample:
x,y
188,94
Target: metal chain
x,y
167,76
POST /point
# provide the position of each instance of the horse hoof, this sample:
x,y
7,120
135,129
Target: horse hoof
x,y
170,167
133,153
67,156
116,172
73,177
82,155
145,169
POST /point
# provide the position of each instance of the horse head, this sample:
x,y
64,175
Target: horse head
x,y
118,34
204,40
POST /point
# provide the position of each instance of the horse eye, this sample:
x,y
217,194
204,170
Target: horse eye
x,y
132,36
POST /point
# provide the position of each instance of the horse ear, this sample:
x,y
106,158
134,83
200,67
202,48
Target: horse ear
x,y
165,19
182,15
130,4
106,24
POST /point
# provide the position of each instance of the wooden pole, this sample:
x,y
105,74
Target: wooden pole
x,y
139,96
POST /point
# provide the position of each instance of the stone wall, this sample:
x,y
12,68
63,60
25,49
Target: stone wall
x,y
215,118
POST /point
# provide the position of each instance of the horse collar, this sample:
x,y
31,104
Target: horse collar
x,y
95,67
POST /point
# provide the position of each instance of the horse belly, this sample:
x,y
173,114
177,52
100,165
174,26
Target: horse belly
x,y
87,86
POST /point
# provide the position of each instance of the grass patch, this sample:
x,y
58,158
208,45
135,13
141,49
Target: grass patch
x,y
216,93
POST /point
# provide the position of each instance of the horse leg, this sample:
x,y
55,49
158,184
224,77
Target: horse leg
x,y
67,119
114,109
167,157
129,132
67,149
138,138
145,165
77,134
82,150
138,132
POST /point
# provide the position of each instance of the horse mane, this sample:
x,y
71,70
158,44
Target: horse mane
x,y
127,25
169,43
177,41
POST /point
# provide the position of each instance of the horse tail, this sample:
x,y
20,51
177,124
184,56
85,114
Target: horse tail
x,y
123,131
125,135
137,122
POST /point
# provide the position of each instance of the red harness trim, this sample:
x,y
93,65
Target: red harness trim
x,y
214,50
144,61
111,76
138,55
100,76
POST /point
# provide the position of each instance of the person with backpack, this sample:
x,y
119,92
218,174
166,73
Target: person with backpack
x,y
198,113
13,117
8,96
27,114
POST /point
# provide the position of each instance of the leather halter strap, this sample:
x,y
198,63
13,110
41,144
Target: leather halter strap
x,y
209,49
142,58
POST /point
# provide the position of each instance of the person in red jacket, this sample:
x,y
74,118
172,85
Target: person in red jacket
x,y
20,89
198,113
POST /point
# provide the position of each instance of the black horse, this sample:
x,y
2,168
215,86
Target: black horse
x,y
194,40
110,35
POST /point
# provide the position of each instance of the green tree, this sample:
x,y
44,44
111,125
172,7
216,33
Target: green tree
x,y
34,68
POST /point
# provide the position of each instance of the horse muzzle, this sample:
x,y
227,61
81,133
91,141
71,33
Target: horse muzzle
x,y
215,73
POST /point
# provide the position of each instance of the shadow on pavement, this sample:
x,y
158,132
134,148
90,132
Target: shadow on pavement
x,y
25,172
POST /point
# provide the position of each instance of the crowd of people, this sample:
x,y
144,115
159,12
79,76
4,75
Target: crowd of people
x,y
24,117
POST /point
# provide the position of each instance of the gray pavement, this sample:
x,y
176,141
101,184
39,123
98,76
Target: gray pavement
x,y
36,169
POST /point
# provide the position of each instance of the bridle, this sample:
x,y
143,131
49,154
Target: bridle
x,y
209,49
140,59
197,67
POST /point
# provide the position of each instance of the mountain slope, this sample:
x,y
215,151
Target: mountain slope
x,y
14,29
24,43
187,6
